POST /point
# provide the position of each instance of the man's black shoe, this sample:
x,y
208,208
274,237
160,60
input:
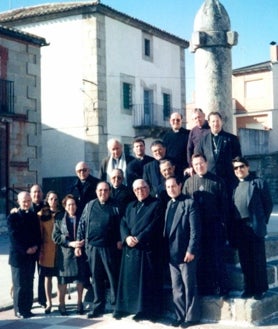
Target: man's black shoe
x,y
258,296
24,315
246,295
139,317
187,324
176,323
117,315
93,314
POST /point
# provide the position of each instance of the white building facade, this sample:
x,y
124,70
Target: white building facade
x,y
104,74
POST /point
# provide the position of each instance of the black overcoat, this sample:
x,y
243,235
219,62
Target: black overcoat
x,y
140,267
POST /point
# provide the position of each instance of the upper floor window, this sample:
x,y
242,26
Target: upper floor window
x,y
147,45
127,93
127,96
6,96
166,105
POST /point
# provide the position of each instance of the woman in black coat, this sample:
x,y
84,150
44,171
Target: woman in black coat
x,y
70,267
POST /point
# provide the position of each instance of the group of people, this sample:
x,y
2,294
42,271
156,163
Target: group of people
x,y
143,219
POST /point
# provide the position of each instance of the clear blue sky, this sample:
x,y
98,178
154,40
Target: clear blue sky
x,y
256,21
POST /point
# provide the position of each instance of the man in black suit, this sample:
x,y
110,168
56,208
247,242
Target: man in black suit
x,y
140,276
151,172
252,208
120,192
136,166
220,148
182,233
25,239
175,141
84,188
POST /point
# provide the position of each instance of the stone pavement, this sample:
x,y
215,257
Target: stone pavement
x,y
73,321
55,321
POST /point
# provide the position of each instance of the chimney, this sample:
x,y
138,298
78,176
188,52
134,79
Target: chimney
x,y
273,51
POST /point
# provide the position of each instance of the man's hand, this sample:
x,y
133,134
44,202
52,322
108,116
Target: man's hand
x,y
32,250
77,252
188,257
131,241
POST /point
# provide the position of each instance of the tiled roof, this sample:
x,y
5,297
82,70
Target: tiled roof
x,y
46,11
18,34
41,10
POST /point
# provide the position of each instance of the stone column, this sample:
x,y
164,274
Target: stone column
x,y
211,42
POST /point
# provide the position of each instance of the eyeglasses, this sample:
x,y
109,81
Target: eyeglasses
x,y
239,167
82,170
177,120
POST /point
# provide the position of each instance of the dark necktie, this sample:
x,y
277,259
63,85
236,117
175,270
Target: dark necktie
x,y
170,216
139,206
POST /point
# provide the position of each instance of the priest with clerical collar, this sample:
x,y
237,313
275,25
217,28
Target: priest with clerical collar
x,y
209,191
252,208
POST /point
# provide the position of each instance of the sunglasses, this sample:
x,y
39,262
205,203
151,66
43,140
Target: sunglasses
x,y
239,167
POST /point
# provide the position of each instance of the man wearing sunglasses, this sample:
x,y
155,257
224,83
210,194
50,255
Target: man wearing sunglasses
x,y
252,208
84,188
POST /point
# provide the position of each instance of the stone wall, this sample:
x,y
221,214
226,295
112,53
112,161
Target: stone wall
x,y
266,166
20,124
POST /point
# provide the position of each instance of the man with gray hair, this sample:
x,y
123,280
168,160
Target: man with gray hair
x,y
116,159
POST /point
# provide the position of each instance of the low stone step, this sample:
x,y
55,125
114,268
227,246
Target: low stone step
x,y
240,310
232,309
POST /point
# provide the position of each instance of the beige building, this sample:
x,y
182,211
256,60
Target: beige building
x,y
20,113
255,105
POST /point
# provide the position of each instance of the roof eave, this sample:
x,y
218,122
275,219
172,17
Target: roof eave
x,y
22,36
90,8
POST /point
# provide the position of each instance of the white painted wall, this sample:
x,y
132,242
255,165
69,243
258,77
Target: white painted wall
x,y
62,98
124,55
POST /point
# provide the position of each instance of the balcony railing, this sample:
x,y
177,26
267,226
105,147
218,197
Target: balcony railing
x,y
150,115
6,96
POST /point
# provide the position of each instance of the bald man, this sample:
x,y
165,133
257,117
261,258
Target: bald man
x,y
25,236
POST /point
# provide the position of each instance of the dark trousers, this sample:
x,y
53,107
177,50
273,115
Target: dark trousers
x,y
23,278
184,289
251,250
41,289
211,272
102,266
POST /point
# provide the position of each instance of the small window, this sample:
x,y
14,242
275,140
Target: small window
x,y
166,105
147,48
127,96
